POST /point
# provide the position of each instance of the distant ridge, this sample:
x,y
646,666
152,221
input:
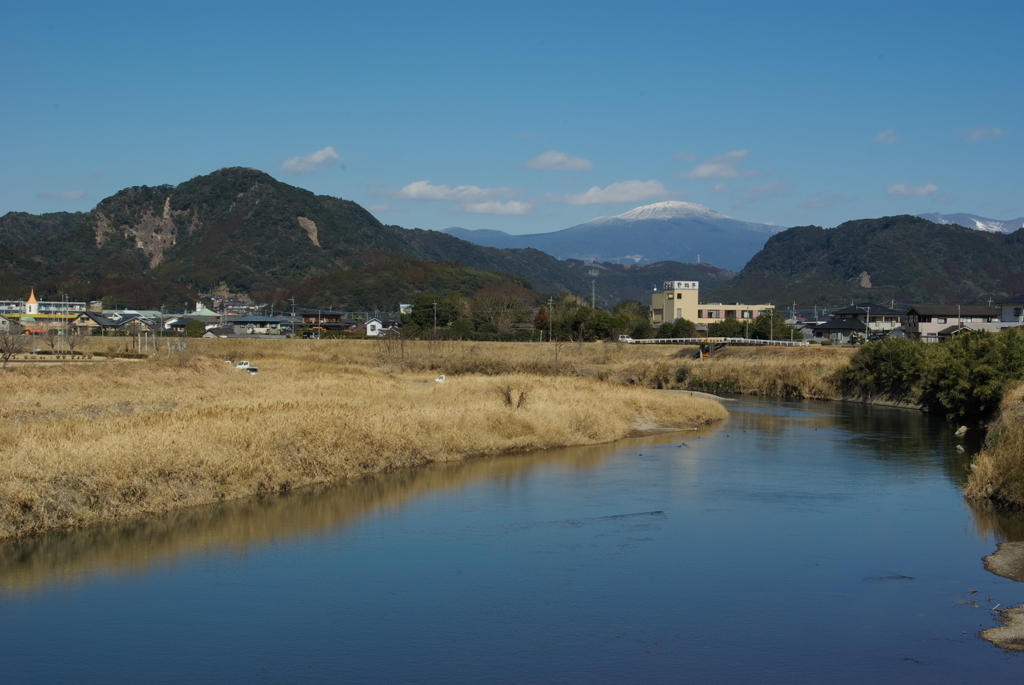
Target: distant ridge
x,y
678,231
978,223
902,258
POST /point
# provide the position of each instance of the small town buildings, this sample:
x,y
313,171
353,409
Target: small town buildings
x,y
1012,312
681,300
262,325
39,316
864,321
385,325
936,322
323,321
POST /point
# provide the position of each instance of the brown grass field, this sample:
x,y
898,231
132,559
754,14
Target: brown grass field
x,y
92,442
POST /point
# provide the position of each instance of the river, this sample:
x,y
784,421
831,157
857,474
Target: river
x,y
797,542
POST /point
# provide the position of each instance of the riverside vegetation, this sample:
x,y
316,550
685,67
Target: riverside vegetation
x,y
971,380
91,442
85,443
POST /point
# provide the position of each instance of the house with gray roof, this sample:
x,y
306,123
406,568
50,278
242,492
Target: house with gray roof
x,y
936,322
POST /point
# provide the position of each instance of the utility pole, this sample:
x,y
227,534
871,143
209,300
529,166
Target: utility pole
x,y
593,286
435,313
551,302
293,305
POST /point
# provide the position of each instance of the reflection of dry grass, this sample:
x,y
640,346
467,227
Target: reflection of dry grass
x,y
132,546
83,444
998,470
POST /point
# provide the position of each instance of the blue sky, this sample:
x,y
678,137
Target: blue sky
x,y
524,116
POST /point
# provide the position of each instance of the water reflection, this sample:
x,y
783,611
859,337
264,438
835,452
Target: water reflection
x,y
1004,525
903,437
135,546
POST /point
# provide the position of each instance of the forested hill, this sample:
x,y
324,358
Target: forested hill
x,y
904,258
242,231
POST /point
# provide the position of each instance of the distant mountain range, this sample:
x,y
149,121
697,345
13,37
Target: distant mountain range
x,y
241,231
979,223
680,231
903,258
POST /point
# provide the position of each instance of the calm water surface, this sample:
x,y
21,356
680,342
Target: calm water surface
x,y
798,542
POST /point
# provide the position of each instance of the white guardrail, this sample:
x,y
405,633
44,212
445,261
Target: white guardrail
x,y
730,341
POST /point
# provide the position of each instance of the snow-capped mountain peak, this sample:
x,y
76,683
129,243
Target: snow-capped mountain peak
x,y
673,209
976,222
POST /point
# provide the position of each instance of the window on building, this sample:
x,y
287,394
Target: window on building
x,y
747,314
714,314
670,296
968,319
679,313
940,319
1018,311
730,313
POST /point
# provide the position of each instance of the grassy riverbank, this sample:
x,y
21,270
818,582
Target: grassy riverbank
x,y
90,443
997,472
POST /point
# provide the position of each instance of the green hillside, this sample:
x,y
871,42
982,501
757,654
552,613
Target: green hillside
x,y
241,231
902,258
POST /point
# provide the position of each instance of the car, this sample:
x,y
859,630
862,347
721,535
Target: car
x,y
242,365
625,339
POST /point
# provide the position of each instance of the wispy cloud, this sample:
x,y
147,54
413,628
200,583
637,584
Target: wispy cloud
x,y
423,190
723,166
625,191
903,190
307,164
718,187
820,201
685,155
510,208
470,199
886,138
757,193
559,161
527,136
69,196
983,133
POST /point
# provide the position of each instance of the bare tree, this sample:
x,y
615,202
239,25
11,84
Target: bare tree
x,y
52,336
74,335
11,343
503,305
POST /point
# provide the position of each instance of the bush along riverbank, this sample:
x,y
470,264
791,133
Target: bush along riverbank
x,y
975,379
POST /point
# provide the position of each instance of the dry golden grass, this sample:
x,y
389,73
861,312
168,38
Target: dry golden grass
x,y
84,443
777,371
997,472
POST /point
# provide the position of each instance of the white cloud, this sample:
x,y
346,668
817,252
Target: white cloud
x,y
559,161
903,190
718,187
69,196
983,133
510,208
423,190
311,162
762,192
626,191
723,166
886,138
